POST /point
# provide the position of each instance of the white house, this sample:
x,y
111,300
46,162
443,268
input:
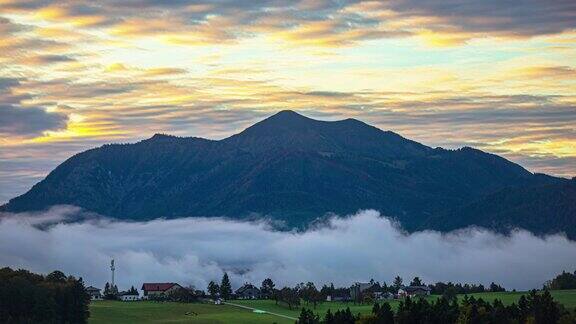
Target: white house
x,y
94,293
413,291
129,297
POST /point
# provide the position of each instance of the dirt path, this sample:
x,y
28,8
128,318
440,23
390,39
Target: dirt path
x,y
261,310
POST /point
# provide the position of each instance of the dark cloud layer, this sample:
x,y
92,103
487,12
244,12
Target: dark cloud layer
x,y
19,120
29,121
350,20
197,250
526,17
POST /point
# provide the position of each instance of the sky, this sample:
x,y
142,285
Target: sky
x,y
495,75
194,251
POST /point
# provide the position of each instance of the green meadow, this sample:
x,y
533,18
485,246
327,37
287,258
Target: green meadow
x,y
565,297
114,312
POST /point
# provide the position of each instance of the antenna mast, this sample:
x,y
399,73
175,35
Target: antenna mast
x,y
112,267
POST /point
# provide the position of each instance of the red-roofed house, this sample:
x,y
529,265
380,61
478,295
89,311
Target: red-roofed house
x,y
162,288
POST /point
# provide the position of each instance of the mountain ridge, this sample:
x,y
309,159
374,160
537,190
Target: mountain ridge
x,y
289,167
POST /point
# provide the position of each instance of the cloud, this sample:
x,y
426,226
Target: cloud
x,y
526,18
28,121
46,59
310,23
24,121
196,250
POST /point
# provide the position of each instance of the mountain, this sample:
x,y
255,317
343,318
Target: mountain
x,y
295,169
544,209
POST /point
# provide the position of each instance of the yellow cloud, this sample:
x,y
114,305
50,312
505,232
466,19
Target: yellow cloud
x,y
443,39
62,14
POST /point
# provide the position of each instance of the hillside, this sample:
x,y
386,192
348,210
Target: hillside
x,y
544,209
294,169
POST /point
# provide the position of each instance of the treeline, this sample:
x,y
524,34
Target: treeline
x,y
441,288
292,297
565,280
534,308
26,297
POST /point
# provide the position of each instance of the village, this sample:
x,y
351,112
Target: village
x,y
359,292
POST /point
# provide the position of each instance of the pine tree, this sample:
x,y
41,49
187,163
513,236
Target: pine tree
x,y
225,287
398,282
416,282
267,288
213,289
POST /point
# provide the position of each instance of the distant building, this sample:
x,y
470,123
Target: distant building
x,y
94,293
382,295
359,288
157,289
248,291
413,291
339,296
129,296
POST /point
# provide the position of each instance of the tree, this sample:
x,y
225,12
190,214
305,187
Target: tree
x,y
565,280
182,295
383,314
329,317
267,288
289,296
543,307
344,317
496,288
225,287
56,276
110,292
308,317
132,291
310,294
213,289
397,282
416,282
26,297
450,294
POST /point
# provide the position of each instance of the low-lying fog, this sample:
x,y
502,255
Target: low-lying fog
x,y
196,250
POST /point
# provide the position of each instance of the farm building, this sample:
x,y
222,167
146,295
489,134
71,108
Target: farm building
x,y
129,296
413,291
157,289
94,293
248,291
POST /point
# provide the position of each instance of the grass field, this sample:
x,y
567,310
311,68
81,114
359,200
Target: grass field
x,y
116,312
565,297
152,312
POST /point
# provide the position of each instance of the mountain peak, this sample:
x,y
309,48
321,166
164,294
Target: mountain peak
x,y
286,114
287,117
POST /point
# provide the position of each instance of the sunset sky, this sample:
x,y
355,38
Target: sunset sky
x,y
495,75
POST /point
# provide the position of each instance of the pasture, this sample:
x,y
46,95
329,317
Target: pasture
x,y
565,297
114,312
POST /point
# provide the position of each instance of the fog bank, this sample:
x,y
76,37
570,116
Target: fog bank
x,y
197,250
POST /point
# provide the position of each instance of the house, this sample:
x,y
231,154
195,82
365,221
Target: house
x,y
413,291
159,289
248,291
94,293
129,296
